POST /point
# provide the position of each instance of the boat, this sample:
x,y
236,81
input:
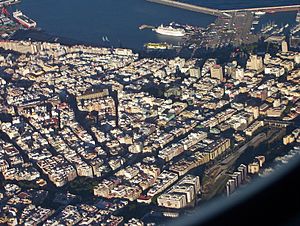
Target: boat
x,y
260,13
105,39
170,214
269,27
214,131
151,45
145,26
295,29
23,19
8,2
278,31
298,17
170,31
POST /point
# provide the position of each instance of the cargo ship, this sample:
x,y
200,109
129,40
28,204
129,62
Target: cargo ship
x,y
24,20
170,31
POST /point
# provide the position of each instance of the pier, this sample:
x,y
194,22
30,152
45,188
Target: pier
x,y
267,9
187,6
217,12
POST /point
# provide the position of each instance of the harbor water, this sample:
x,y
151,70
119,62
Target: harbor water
x,y
116,22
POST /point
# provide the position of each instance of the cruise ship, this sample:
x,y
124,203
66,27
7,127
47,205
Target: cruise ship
x,y
24,20
168,30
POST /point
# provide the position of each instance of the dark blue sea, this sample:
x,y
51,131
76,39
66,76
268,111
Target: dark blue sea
x,y
88,21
